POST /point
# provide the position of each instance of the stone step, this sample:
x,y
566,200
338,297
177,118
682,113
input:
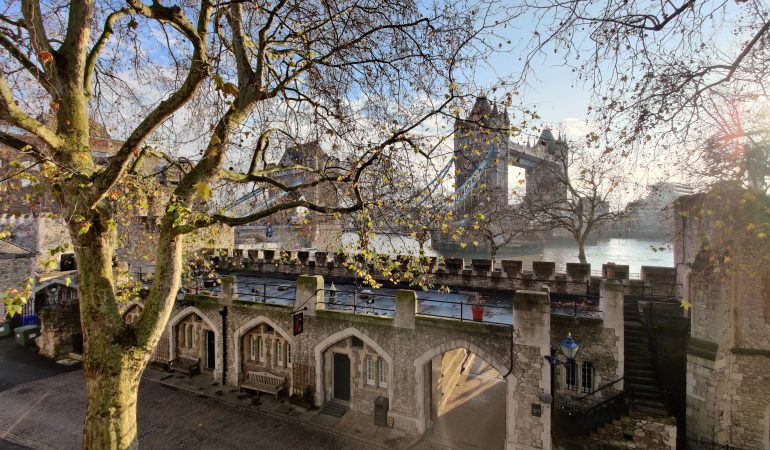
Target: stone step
x,y
334,409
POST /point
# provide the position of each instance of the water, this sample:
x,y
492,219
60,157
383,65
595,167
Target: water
x,y
632,252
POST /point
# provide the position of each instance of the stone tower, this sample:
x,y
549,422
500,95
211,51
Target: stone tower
x,y
486,126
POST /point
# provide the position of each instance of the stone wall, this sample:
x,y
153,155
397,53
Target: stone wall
x,y
637,431
60,332
724,270
14,269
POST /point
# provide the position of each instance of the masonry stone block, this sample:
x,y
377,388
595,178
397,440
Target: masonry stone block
x,y
309,294
406,308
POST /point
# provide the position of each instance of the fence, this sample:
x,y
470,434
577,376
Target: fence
x,y
363,301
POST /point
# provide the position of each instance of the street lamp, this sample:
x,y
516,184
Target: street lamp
x,y
332,294
180,294
569,347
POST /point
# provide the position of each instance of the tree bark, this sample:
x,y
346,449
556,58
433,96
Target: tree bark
x,y
110,421
581,251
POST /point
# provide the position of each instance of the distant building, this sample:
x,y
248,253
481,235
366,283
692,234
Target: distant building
x,y
653,215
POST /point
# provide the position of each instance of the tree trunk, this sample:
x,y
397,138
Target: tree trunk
x,y
581,251
110,421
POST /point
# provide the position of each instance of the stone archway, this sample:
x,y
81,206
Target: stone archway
x,y
424,385
244,329
183,314
321,347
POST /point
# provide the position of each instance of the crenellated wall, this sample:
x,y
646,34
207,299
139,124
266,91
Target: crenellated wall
x,y
457,273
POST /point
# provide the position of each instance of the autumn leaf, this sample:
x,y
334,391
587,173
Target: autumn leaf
x,y
44,56
203,190
685,304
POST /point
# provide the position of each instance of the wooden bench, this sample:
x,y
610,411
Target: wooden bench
x,y
190,366
263,382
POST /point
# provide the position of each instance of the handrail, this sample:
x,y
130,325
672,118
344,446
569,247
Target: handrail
x,y
600,388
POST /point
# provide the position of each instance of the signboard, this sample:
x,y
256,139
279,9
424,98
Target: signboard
x,y
299,323
536,409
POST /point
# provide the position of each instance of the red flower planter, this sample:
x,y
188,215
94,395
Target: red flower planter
x,y
478,312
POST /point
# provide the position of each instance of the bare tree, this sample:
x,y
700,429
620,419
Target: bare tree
x,y
495,221
210,79
576,192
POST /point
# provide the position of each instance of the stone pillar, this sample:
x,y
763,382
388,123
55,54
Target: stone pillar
x,y
611,305
528,418
228,292
406,308
309,294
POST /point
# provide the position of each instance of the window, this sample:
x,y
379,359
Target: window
x,y
382,372
288,355
570,378
252,347
262,349
587,377
279,352
188,336
369,369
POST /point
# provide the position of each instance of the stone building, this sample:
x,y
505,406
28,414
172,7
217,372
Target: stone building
x,y
722,258
17,264
406,355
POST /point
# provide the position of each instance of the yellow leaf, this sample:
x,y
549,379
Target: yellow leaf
x,y
203,190
67,281
685,304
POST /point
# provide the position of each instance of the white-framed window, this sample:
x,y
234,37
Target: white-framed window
x,y
382,372
262,349
288,355
570,376
252,347
188,335
369,369
586,377
279,352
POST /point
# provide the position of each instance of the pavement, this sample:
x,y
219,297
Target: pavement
x,y
174,412
19,365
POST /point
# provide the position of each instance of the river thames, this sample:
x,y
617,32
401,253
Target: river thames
x,y
633,252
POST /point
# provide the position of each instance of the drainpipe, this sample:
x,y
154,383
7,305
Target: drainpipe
x,y
223,313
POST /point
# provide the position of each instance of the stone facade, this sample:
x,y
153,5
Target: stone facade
x,y
725,279
404,351
16,265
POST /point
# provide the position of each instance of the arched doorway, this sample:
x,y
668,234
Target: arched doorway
x,y
352,371
463,395
263,346
193,335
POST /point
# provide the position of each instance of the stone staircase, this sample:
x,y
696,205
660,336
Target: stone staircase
x,y
334,409
640,378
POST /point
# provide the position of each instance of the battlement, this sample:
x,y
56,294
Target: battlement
x,y
576,279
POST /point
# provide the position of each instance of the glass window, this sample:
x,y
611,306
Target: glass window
x,y
288,355
262,349
279,352
369,369
587,377
252,347
382,371
570,378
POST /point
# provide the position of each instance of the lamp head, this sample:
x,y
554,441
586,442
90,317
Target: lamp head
x,y
569,347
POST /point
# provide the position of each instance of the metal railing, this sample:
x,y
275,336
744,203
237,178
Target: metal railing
x,y
465,310
360,301
575,305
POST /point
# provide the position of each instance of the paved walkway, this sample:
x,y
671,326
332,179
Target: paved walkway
x,y
47,414
19,365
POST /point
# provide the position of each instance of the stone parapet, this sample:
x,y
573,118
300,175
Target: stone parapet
x,y
455,273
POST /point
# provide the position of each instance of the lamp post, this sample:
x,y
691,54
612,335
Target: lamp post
x,y
332,294
569,347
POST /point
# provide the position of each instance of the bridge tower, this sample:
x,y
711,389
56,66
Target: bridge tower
x,y
485,126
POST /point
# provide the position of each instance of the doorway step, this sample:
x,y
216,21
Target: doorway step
x,y
334,408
